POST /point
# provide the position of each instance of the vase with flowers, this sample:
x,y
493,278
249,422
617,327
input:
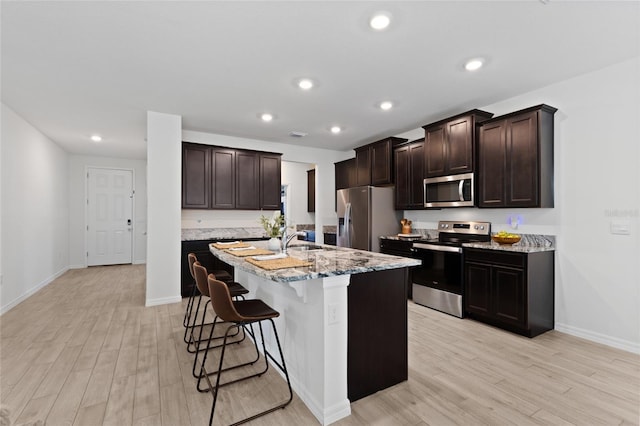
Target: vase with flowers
x,y
273,226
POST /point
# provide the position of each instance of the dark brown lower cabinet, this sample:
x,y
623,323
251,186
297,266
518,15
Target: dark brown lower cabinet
x,y
201,249
511,290
377,352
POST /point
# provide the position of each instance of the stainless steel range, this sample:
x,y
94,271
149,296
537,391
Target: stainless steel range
x,y
439,282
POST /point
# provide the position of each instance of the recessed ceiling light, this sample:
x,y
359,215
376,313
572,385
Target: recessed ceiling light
x,y
336,129
305,83
96,138
380,21
386,105
474,64
266,117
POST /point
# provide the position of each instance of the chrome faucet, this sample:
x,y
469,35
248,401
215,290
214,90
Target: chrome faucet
x,y
286,239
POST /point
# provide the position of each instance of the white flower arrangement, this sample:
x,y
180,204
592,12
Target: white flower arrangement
x,y
273,226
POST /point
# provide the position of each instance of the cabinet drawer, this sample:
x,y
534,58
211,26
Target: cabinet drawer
x,y
495,257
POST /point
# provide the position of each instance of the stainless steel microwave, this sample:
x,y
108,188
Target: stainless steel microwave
x,y
449,191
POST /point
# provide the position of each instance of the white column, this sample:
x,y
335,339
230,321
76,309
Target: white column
x,y
164,137
313,332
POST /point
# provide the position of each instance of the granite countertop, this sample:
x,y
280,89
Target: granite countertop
x,y
530,243
198,234
420,234
329,261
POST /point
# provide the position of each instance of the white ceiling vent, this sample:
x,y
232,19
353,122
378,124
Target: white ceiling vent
x,y
295,134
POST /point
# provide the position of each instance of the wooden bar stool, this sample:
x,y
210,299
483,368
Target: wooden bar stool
x,y
240,314
220,274
237,290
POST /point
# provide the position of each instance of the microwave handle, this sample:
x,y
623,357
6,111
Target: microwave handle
x,y
460,188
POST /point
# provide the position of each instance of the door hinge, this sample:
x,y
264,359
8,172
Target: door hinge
x,y
87,254
87,227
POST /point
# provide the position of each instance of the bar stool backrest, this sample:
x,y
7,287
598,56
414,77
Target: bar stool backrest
x,y
192,259
221,301
200,275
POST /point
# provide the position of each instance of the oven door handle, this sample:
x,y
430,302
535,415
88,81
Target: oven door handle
x,y
434,247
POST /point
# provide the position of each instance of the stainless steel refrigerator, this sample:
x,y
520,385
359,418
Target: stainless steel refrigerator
x,y
366,213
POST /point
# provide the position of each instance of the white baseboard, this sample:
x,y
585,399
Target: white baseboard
x,y
77,266
163,301
30,292
325,416
140,262
614,342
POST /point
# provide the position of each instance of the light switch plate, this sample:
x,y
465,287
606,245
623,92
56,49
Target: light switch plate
x,y
619,228
332,313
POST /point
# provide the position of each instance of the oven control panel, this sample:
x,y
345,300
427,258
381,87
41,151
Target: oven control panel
x,y
475,228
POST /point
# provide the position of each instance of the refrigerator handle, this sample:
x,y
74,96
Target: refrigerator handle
x,y
347,224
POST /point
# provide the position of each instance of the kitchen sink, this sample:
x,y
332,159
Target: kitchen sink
x,y
308,247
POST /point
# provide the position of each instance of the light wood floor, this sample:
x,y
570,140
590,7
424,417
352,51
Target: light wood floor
x,y
85,351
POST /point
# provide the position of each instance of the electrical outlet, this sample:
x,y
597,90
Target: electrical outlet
x,y
332,314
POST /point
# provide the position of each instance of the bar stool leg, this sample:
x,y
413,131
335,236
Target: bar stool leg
x,y
192,325
282,367
203,323
188,313
203,374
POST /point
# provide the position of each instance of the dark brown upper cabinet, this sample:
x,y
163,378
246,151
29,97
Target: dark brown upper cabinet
x,y
363,166
196,176
345,173
311,190
345,176
226,178
515,159
223,184
247,180
374,164
449,144
270,181
409,172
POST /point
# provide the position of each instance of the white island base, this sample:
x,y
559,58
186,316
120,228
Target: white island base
x,y
313,332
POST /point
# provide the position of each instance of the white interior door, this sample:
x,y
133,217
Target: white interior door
x,y
109,216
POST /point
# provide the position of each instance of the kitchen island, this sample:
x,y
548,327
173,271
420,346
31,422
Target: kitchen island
x,y
343,322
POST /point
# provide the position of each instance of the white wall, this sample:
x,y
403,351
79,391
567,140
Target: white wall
x,y
294,175
78,165
164,160
322,158
597,183
35,210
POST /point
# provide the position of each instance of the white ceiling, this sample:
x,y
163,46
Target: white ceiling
x,y
77,68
